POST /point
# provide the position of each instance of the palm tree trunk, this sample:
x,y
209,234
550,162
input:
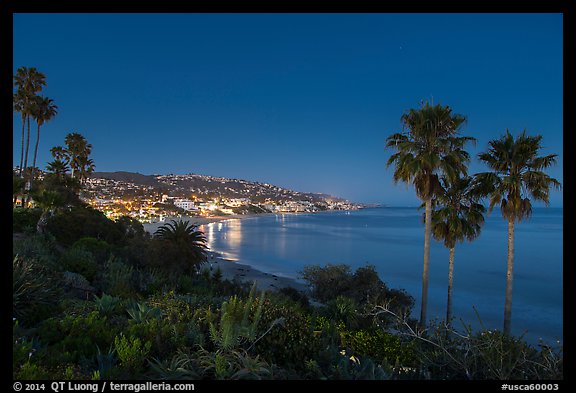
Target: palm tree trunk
x,y
25,197
450,280
509,278
27,147
22,149
427,230
35,154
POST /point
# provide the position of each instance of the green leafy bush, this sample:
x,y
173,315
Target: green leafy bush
x,y
364,286
290,342
78,260
75,337
98,248
118,278
71,225
132,353
379,345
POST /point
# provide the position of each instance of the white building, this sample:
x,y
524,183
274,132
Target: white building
x,y
185,204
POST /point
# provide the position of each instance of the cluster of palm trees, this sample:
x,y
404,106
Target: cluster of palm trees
x,y
29,83
430,155
74,157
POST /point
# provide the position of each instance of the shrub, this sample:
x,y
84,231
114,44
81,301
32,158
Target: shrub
x,y
379,345
78,260
487,354
98,248
364,286
289,339
328,282
131,352
118,278
25,220
37,247
343,309
73,224
25,356
34,290
296,296
238,322
174,308
75,337
445,353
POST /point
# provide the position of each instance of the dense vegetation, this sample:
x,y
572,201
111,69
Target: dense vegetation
x,y
97,299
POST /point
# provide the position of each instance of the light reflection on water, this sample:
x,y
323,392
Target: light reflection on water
x,y
392,240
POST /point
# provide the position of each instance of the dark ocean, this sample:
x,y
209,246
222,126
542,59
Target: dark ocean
x,y
392,239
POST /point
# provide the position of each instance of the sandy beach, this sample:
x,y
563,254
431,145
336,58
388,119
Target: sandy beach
x,y
231,269
264,281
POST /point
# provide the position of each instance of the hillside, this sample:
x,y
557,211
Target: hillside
x,y
200,185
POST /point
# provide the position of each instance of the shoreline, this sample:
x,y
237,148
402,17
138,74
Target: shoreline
x,y
230,269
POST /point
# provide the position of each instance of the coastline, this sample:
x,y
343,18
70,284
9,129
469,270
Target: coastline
x,y
232,270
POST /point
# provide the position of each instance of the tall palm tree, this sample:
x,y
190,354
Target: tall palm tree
x,y
29,82
186,237
431,147
44,110
517,174
19,102
458,217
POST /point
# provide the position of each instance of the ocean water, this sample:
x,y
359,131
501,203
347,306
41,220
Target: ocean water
x,y
392,239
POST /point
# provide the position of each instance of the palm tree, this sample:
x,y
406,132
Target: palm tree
x,y
75,155
186,237
44,110
29,82
19,103
78,150
458,218
516,175
429,148
57,167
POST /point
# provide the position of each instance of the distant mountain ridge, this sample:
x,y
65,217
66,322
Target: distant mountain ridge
x,y
130,177
200,184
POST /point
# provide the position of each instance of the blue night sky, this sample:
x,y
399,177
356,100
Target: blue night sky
x,y
302,101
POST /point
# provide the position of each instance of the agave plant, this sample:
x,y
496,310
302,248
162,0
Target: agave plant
x,y
181,366
141,312
106,304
